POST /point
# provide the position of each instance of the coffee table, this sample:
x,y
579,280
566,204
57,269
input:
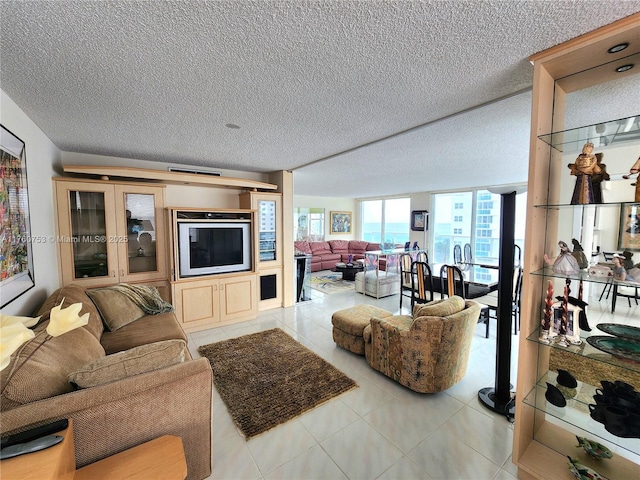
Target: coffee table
x,y
348,270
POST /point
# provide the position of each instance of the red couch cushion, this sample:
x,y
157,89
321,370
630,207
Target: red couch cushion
x,y
339,246
320,248
358,246
302,246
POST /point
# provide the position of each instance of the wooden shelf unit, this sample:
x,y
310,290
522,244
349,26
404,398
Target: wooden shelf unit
x,y
541,444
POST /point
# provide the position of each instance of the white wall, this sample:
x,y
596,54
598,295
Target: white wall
x,y
331,204
42,158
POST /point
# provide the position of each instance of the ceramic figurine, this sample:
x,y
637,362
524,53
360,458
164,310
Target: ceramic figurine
x,y
584,167
634,170
622,274
579,255
598,178
565,263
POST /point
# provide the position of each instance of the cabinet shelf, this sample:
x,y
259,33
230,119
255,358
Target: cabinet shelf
x,y
584,276
590,353
612,133
576,412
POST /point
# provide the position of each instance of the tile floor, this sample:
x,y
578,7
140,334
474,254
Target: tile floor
x,y
380,430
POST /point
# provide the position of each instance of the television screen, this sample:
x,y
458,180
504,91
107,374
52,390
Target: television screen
x,y
215,247
207,248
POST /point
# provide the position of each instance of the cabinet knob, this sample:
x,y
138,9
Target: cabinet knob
x,y
113,273
122,272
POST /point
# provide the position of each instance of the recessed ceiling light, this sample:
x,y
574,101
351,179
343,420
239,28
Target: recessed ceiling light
x,y
233,126
624,68
618,48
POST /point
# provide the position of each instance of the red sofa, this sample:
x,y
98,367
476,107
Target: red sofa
x,y
325,255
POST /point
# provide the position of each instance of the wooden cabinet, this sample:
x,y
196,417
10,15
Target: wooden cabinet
x,y
110,232
267,245
206,302
544,434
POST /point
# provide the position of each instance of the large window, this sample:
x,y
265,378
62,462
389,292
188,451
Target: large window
x,y
476,221
385,220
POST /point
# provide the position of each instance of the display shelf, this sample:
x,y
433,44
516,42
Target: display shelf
x,y
576,412
584,276
589,352
611,133
568,205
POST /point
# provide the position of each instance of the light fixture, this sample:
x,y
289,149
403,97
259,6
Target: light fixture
x,y
618,48
624,68
628,124
232,126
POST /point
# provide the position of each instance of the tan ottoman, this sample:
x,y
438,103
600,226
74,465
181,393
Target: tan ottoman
x,y
349,324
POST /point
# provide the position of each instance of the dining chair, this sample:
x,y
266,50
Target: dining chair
x,y
406,282
491,299
468,257
517,255
422,257
421,283
452,283
457,254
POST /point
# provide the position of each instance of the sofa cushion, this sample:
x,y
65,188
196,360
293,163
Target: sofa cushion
x,y
73,294
339,246
43,365
302,246
135,361
439,308
148,329
320,248
357,247
373,247
116,309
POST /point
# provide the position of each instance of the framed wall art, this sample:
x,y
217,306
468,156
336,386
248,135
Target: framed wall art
x,y
341,222
419,220
16,255
629,233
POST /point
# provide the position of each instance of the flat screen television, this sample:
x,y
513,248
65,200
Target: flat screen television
x,y
208,248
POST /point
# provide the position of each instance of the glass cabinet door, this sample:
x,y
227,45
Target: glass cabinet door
x,y
141,232
88,234
267,230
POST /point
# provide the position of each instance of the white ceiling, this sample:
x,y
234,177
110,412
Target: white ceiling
x,y
324,88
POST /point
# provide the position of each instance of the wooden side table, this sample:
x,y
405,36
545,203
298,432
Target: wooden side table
x,y
162,458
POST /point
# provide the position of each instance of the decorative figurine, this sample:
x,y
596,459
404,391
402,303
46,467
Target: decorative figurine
x,y
565,263
622,274
627,262
598,178
584,167
635,169
579,255
547,313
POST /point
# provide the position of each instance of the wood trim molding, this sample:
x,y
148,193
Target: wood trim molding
x,y
176,178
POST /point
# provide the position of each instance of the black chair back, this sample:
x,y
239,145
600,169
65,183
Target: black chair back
x,y
468,258
451,281
457,254
422,283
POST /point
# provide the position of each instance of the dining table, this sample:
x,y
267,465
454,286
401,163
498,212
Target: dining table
x,y
479,279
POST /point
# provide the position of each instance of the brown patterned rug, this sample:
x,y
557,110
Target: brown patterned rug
x,y
268,378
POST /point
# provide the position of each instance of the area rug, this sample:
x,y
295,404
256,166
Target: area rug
x,y
331,283
268,378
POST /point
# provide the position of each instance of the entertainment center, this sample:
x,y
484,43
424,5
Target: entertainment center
x,y
213,275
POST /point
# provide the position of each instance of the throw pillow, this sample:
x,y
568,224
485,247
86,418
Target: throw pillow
x,y
116,309
134,361
41,367
439,308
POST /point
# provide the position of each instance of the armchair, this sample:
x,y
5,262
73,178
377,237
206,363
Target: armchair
x,y
427,351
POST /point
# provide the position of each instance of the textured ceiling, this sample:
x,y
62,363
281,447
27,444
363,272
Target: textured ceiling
x,y
326,84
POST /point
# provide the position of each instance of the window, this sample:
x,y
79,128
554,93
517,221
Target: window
x,y
479,225
385,220
309,224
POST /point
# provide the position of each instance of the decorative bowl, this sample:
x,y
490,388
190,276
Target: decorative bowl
x,y
594,449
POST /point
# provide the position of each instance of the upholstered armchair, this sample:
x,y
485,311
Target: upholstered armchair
x,y
427,351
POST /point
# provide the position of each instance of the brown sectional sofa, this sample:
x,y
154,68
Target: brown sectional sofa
x,y
173,397
325,255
